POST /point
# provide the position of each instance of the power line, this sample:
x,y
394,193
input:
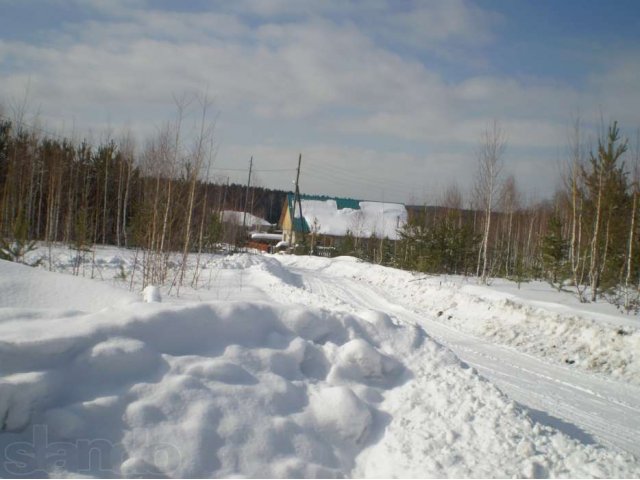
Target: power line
x,y
336,174
255,169
229,169
26,125
396,195
346,174
398,188
276,170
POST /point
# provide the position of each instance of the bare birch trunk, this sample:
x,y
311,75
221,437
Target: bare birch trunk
x,y
104,203
119,203
632,227
126,202
594,265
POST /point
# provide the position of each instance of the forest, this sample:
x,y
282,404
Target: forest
x,y
160,197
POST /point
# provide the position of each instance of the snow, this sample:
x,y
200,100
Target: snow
x,y
39,289
592,337
587,405
282,366
237,218
267,236
152,294
373,218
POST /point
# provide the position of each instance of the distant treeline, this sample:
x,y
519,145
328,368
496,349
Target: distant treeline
x,y
69,192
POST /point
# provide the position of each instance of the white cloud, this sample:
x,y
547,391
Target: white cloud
x,y
433,21
333,77
615,91
112,8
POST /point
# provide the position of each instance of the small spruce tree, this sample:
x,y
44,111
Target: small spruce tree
x,y
554,253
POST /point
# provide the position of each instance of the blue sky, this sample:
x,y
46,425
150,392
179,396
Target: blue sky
x,y
386,100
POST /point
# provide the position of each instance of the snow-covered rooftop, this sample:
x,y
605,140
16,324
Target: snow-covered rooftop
x,y
266,236
325,217
233,216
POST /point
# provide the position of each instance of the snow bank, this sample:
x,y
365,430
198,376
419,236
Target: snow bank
x,y
21,287
449,422
577,339
231,388
219,390
151,294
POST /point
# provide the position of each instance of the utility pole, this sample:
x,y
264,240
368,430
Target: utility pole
x,y
246,197
220,190
298,201
225,188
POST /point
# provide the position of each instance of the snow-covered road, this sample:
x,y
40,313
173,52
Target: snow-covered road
x,y
584,406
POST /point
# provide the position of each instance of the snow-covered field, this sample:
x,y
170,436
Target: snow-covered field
x,y
283,366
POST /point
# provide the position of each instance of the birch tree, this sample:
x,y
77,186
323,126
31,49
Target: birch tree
x,y
635,189
573,182
487,186
198,156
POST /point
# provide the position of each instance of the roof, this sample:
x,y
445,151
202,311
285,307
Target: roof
x,y
299,225
339,216
266,236
235,217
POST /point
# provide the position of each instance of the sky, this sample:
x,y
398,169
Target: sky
x,y
385,100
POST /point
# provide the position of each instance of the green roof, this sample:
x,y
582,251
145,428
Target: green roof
x,y
340,202
299,224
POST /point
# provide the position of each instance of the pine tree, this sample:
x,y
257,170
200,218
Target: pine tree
x,y
554,252
15,249
606,200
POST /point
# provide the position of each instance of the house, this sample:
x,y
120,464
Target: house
x,y
328,219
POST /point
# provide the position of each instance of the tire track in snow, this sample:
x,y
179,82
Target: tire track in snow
x,y
584,406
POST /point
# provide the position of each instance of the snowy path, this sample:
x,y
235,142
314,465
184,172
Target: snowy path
x,y
584,406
